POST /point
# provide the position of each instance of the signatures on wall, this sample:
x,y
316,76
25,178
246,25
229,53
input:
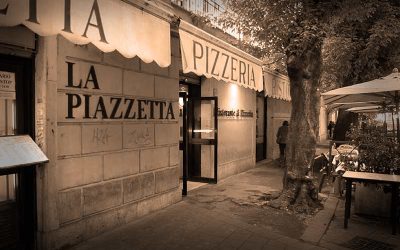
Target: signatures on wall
x,y
100,136
138,136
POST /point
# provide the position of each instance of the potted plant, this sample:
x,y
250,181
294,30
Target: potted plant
x,y
379,153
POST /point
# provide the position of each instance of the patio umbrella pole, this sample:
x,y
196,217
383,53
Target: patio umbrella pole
x,y
393,124
385,123
396,99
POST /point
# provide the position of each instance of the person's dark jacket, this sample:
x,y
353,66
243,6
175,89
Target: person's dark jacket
x,y
282,135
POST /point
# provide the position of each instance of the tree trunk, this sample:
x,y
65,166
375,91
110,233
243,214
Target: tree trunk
x,y
304,72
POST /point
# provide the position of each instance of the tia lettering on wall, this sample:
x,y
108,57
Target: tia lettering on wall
x,y
108,24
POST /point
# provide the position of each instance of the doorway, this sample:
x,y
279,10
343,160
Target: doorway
x,y
198,137
261,121
17,186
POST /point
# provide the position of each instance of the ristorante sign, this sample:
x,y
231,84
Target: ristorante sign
x,y
277,86
207,55
108,24
239,113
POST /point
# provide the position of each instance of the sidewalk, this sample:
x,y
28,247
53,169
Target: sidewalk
x,y
231,215
228,215
365,232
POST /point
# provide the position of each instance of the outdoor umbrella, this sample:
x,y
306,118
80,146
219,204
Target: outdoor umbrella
x,y
365,109
376,109
382,91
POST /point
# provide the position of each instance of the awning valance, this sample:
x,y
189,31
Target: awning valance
x,y
108,24
277,86
204,54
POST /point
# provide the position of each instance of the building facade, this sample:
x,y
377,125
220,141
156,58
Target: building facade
x,y
129,101
104,112
277,94
127,117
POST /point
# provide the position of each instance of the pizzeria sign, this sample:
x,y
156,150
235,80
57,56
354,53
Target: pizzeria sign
x,y
204,54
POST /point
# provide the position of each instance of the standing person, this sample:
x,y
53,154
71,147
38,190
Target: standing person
x,y
331,126
281,139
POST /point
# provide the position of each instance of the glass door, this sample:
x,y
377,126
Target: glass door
x,y
17,186
203,139
8,206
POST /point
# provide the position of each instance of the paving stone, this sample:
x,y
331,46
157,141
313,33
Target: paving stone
x,y
275,245
235,240
332,246
319,224
217,224
254,242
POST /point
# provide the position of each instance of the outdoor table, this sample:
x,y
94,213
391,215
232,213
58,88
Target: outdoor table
x,y
394,180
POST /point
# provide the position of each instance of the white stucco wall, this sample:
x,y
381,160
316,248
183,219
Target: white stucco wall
x,y
236,136
277,112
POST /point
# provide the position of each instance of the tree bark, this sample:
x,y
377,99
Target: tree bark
x,y
304,72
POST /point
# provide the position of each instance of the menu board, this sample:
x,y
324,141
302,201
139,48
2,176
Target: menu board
x,y
7,85
20,150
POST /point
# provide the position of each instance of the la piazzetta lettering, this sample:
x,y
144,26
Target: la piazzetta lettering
x,y
110,107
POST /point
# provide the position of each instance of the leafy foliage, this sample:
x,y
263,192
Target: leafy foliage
x,y
362,42
379,152
360,38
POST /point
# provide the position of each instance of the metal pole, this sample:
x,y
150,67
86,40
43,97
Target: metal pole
x,y
397,118
185,143
393,125
384,109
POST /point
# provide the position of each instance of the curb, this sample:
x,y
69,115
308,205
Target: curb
x,y
320,223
